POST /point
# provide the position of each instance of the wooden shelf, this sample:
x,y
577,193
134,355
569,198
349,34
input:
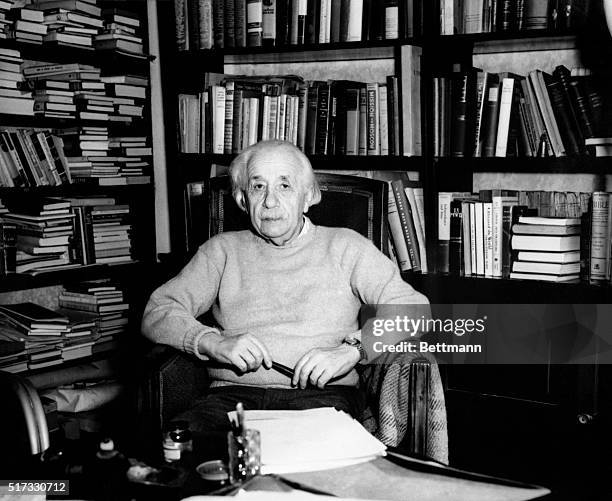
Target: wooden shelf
x,y
548,165
474,289
66,190
193,163
88,272
57,53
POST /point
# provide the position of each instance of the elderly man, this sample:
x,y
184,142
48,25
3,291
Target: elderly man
x,y
286,291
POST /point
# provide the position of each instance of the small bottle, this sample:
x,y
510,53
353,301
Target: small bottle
x,y
177,441
110,468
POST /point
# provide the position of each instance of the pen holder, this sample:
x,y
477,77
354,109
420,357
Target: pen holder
x,y
244,455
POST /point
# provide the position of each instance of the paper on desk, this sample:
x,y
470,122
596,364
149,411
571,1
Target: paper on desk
x,y
310,440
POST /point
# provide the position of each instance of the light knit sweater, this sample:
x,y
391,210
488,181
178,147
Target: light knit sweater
x,y
293,298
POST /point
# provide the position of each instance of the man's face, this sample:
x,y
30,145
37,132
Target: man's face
x,y
276,197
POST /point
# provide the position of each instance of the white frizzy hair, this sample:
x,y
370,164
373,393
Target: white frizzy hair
x,y
239,169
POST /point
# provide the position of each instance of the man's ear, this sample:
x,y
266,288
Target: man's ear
x,y
241,201
308,199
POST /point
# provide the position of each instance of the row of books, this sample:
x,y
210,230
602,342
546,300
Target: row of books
x,y
203,24
51,234
77,90
483,114
45,157
320,117
504,234
85,323
486,16
76,23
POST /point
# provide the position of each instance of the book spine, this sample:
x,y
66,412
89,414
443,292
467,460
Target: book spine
x,y
443,248
311,117
455,244
581,105
352,122
193,29
393,107
254,18
218,24
600,238
240,23
301,21
459,127
407,224
237,121
229,116
269,14
397,233
323,112
205,18
180,10
302,115
487,214
363,121
490,120
229,24
218,108
20,158
312,21
373,119
481,88
467,252
410,100
336,14
383,119
562,115
419,224
503,123
391,19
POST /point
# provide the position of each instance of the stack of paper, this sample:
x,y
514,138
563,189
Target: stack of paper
x,y
309,440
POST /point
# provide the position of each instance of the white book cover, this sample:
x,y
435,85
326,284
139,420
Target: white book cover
x,y
487,208
411,99
480,242
218,106
383,118
355,21
503,124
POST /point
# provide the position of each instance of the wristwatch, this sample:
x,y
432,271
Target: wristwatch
x,y
351,341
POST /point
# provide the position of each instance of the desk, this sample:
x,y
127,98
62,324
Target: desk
x,y
392,479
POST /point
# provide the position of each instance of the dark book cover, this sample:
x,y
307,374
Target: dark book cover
x,y
344,19
510,216
394,110
240,29
32,314
229,30
16,176
78,244
336,17
270,22
581,106
456,243
506,15
23,157
585,244
351,111
218,24
563,76
283,22
312,21
8,249
490,116
180,20
193,26
562,114
311,116
323,114
463,90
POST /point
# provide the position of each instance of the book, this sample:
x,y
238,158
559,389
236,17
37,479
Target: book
x,y
546,243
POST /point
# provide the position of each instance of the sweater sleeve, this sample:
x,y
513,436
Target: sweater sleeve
x,y
375,279
170,315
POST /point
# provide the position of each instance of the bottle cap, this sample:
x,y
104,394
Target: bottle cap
x,y
107,445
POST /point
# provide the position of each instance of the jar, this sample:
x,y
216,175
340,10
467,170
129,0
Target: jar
x,y
177,440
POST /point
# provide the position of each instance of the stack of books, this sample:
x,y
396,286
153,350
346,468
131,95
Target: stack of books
x,y
40,329
82,333
6,22
71,23
36,71
102,230
52,98
104,299
121,32
8,230
547,248
134,154
128,94
13,99
28,25
599,146
43,230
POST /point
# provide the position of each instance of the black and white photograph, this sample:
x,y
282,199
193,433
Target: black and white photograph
x,y
293,249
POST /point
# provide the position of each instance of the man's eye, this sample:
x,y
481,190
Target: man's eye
x,y
257,187
285,186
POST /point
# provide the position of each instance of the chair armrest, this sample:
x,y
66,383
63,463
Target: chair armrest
x,y
172,381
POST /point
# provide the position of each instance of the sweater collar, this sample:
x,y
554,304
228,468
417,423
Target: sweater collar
x,y
305,234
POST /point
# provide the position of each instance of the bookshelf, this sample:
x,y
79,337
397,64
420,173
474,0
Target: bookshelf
x,y
511,400
133,274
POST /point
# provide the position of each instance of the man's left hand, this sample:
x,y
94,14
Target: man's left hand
x,y
320,365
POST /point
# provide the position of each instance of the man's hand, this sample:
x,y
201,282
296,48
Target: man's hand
x,y
320,365
243,351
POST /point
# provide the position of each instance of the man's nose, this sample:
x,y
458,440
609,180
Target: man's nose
x,y
270,200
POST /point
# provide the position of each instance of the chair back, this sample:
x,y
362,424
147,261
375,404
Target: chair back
x,y
346,201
